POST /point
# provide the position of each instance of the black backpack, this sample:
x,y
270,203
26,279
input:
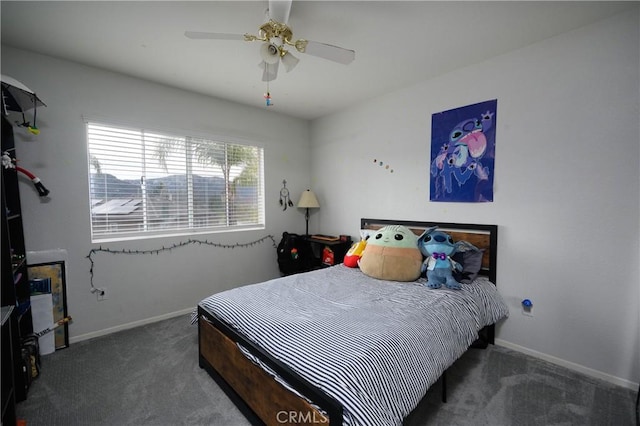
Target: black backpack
x,y
293,254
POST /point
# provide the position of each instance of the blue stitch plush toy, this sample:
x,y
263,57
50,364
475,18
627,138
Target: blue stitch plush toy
x,y
439,247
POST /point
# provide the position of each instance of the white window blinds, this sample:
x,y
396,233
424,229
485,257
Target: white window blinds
x,y
142,183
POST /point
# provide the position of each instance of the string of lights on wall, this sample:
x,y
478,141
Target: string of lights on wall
x,y
101,249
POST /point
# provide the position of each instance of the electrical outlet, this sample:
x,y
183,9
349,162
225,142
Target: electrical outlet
x,y
102,294
527,307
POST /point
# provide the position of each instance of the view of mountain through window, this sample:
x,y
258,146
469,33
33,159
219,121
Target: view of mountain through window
x,y
145,183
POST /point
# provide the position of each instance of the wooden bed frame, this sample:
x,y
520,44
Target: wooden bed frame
x,y
261,398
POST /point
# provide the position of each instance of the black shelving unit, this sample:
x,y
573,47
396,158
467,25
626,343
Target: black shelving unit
x,y
8,383
15,291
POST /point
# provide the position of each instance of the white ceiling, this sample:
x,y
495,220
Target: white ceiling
x,y
397,43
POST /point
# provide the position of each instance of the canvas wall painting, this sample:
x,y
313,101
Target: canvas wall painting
x,y
463,142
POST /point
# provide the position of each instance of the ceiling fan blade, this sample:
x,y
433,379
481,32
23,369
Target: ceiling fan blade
x,y
197,35
330,52
279,10
270,72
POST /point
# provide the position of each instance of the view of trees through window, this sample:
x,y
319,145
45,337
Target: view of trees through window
x,y
143,182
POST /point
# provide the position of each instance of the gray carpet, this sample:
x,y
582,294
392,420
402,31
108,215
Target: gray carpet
x,y
150,376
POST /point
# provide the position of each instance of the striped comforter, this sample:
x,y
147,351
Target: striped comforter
x,y
376,346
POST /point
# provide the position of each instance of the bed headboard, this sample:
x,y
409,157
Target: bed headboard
x,y
482,236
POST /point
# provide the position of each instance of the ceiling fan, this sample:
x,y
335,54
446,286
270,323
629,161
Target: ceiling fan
x,y
276,36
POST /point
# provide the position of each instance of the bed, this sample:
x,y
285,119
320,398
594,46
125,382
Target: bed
x,y
334,346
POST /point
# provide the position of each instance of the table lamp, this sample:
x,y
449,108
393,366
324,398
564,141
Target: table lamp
x,y
308,201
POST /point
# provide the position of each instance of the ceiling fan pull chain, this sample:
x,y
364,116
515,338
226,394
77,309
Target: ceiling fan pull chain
x,y
267,97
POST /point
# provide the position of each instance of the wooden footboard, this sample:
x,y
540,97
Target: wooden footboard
x,y
251,387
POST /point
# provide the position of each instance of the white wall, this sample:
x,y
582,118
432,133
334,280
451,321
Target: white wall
x,y
567,185
141,288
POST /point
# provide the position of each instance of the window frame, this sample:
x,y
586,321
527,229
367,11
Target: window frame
x,y
189,137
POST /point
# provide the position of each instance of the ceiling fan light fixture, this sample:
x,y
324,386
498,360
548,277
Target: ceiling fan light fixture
x,y
269,53
289,61
276,41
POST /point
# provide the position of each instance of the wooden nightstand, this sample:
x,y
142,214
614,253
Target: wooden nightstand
x,y
339,247
303,253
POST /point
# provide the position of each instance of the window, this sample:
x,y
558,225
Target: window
x,y
144,183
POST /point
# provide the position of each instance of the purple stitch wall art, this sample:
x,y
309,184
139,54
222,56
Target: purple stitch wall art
x,y
463,142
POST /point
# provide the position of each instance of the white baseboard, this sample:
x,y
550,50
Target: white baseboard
x,y
570,365
129,325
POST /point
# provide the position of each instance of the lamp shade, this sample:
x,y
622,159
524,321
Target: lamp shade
x,y
289,61
308,200
269,53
